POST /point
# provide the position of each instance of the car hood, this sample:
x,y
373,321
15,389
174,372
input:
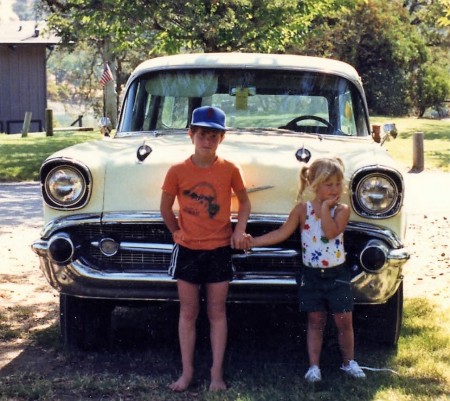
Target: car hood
x,y
270,167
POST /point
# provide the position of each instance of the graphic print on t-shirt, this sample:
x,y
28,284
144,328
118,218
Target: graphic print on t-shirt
x,y
201,199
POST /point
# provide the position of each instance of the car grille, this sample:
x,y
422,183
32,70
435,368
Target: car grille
x,y
156,233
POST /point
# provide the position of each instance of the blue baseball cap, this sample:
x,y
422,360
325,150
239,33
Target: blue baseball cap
x,y
209,116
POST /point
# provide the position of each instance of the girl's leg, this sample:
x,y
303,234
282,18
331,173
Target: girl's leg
x,y
189,308
314,335
344,324
216,307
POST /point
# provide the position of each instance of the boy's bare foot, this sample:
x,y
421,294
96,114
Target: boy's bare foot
x,y
181,384
217,385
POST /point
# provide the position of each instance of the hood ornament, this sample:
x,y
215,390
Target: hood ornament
x,y
142,152
303,155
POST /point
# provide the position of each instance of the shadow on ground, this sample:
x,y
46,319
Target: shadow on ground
x,y
266,350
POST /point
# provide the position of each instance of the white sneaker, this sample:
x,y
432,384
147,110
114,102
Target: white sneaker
x,y
354,370
313,374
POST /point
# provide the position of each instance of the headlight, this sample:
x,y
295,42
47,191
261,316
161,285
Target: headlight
x,y
377,194
65,186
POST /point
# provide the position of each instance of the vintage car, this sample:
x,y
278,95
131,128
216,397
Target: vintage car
x,y
104,243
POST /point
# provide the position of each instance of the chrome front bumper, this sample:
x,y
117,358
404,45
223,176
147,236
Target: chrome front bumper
x,y
79,279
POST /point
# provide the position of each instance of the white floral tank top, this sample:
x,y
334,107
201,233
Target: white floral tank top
x,y
318,250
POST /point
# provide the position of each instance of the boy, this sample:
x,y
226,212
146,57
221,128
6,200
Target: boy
x,y
204,237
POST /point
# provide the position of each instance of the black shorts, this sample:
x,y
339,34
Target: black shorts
x,y
201,266
326,289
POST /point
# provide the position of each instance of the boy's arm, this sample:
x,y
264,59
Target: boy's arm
x,y
171,221
238,236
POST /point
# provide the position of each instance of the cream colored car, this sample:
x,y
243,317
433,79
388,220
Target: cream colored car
x,y
105,244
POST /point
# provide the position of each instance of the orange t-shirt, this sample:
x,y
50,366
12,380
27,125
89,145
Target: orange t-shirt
x,y
204,198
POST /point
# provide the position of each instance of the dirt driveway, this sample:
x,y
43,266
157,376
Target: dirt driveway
x,y
23,287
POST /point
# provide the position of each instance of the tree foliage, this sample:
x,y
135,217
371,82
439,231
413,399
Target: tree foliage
x,y
234,25
379,39
388,42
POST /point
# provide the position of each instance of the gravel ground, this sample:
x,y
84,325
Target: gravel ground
x,y
22,285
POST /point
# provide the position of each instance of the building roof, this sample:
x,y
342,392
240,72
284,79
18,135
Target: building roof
x,y
26,32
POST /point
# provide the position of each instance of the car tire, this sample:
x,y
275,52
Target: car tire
x,y
381,323
84,323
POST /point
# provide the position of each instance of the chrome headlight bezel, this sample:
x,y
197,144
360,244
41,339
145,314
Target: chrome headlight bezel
x,y
65,184
377,192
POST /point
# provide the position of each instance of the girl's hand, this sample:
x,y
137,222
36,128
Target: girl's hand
x,y
241,241
332,202
248,242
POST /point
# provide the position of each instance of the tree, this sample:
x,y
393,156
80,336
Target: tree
x,y
431,80
373,35
114,29
233,25
432,86
123,33
376,37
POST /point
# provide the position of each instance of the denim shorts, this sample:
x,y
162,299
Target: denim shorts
x,y
201,266
325,289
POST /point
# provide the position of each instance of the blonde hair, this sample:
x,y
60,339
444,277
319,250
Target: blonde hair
x,y
320,171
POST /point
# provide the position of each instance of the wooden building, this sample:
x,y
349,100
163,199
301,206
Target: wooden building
x,y
24,48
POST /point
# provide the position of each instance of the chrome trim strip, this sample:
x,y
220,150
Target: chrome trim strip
x,y
262,188
81,271
153,217
140,246
399,255
69,221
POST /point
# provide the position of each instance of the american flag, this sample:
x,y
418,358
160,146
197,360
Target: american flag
x,y
106,76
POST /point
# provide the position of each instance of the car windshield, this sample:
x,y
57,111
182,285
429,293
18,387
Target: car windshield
x,y
296,101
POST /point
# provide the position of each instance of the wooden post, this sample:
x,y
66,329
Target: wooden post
x,y
26,124
418,155
49,122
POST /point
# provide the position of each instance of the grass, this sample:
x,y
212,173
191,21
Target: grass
x,y
265,360
21,158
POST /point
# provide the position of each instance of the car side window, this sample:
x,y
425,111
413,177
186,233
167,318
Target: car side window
x,y
174,112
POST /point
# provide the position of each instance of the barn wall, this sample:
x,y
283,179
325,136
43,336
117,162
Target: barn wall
x,y
22,86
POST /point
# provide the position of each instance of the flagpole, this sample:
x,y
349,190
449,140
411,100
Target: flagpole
x,y
109,109
104,101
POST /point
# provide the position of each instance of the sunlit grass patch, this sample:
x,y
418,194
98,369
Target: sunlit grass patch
x,y
21,158
436,141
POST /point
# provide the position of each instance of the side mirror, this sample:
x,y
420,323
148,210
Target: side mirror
x,y
389,131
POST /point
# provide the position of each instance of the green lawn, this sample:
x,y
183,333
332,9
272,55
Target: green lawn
x,y
21,158
436,141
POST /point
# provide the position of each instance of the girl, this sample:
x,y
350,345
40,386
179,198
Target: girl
x,y
325,279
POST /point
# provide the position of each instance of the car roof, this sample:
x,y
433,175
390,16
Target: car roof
x,y
232,60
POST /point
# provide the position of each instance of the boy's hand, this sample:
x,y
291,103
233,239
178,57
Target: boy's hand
x,y
237,239
176,235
